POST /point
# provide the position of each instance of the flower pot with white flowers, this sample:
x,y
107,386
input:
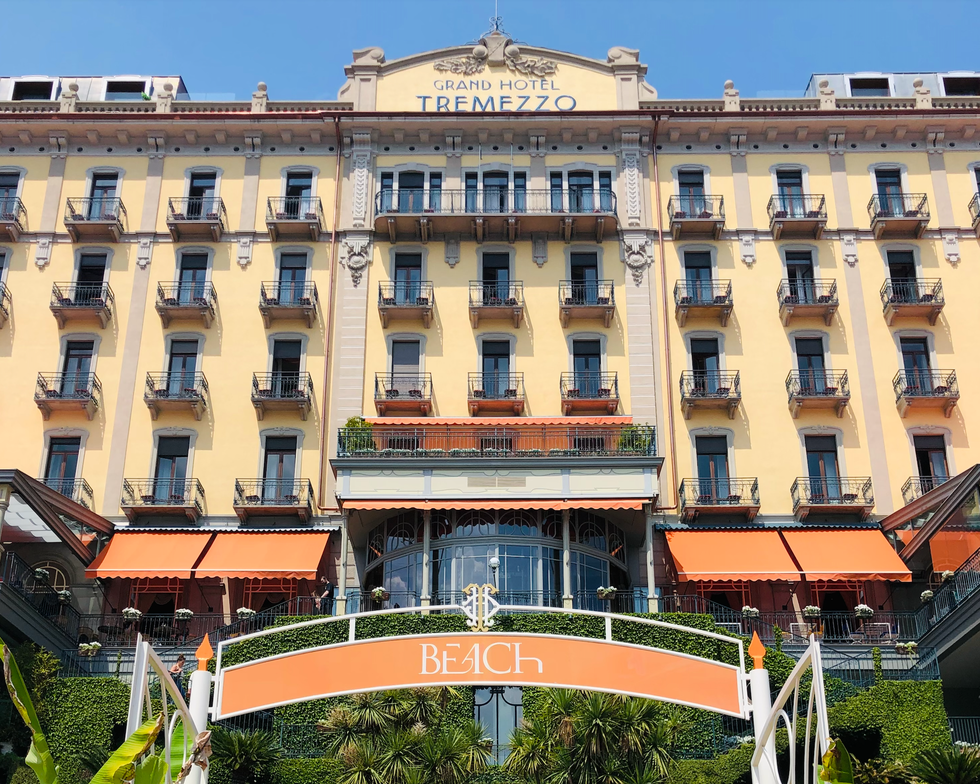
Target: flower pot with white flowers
x,y
750,612
64,597
380,595
88,649
245,613
606,594
926,596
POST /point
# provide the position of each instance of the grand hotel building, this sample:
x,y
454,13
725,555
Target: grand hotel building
x,y
497,313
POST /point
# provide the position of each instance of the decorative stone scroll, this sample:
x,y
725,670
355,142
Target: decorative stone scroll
x,y
951,246
356,254
452,249
361,165
637,254
144,250
244,250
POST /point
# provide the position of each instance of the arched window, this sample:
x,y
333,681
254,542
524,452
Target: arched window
x,y
474,523
57,578
517,523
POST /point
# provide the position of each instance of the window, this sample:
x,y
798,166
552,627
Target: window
x,y
690,191
915,359
705,364
408,278
810,363
889,182
961,85
182,367
520,191
712,456
32,91
822,470
9,183
411,191
299,194
930,460
102,194
91,278
77,367
496,278
292,279
62,464
495,191
170,471
192,277
789,185
587,367
406,359
557,186
57,578
869,88
201,193
287,356
584,270
499,709
124,91
581,189
496,368
581,196
901,271
697,271
435,191
279,474
799,274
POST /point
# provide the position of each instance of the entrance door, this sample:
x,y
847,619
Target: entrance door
x,y
585,278
690,189
411,191
705,364
697,272
901,273
299,195
62,465
76,378
170,473
810,363
587,365
496,278
192,278
103,197
930,459
279,477
799,274
286,359
496,368
821,463
200,195
408,278
8,193
292,278
182,367
495,191
581,192
405,362
790,186
915,357
890,191
91,279
712,452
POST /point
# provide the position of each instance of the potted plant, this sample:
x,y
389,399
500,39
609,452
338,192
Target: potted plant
x,y
606,594
907,648
948,575
926,596
183,616
811,611
131,614
64,597
379,594
88,649
244,613
863,611
750,612
42,574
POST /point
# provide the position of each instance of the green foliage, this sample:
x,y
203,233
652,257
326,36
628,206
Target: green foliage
x,y
357,437
122,762
23,775
247,756
8,764
303,771
835,766
947,766
878,771
637,439
39,758
878,670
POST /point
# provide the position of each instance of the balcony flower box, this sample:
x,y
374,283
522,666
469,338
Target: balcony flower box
x,y
379,594
131,614
948,575
907,648
89,649
863,611
750,612
183,614
811,611
926,596
42,574
244,613
606,594
64,597
778,214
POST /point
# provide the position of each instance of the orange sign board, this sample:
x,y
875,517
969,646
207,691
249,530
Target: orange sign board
x,y
480,659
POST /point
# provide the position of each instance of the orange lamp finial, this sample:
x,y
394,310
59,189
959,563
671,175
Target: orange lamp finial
x,y
757,651
204,653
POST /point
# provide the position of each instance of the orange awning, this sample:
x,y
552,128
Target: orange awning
x,y
293,556
731,555
950,548
846,555
550,504
582,421
148,554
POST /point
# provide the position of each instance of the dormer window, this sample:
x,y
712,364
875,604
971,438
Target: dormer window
x,y
32,91
869,88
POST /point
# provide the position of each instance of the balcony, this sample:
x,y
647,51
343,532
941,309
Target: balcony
x,y
13,218
589,393
480,441
186,302
82,302
406,301
282,392
696,217
703,299
838,496
176,392
68,392
815,389
288,302
273,498
918,486
95,220
975,214
196,218
815,298
926,389
5,301
797,216
898,216
78,490
496,301
399,394
294,218
163,497
495,393
706,390
497,214
912,297
735,498
592,300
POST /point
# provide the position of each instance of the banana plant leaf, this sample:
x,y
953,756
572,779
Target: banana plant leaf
x,y
122,764
177,750
39,757
836,767
152,771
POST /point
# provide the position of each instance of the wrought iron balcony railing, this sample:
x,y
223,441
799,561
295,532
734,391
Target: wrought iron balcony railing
x,y
406,294
82,296
186,295
287,294
899,205
13,213
20,577
491,201
832,491
589,386
695,293
163,492
95,210
817,383
916,486
402,386
912,291
78,490
61,386
505,294
273,492
975,210
495,386
176,386
804,206
925,384
5,301
305,209
735,492
816,291
282,386
724,385
473,442
205,209
597,293
689,207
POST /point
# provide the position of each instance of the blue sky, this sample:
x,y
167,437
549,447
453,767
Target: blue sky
x,y
299,47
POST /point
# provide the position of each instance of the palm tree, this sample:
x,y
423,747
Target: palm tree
x,y
248,756
947,766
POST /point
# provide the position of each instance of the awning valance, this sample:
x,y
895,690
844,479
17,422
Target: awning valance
x,y
846,555
731,555
149,554
548,504
293,556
